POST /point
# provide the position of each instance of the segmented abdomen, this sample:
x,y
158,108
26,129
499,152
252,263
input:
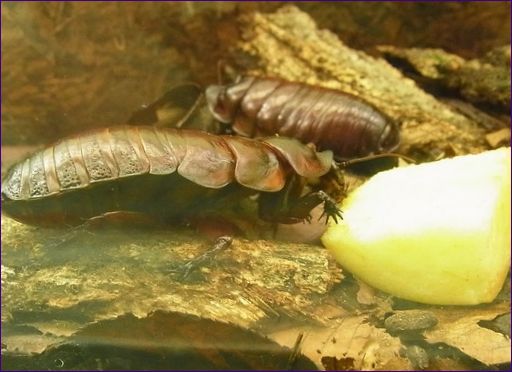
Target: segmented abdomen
x,y
329,118
103,164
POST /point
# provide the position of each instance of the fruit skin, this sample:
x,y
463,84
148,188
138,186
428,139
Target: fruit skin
x,y
437,233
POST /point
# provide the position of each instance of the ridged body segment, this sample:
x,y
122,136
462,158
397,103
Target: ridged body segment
x,y
106,165
328,118
161,157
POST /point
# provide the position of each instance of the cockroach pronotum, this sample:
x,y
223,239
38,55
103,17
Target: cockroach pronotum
x,y
165,172
330,119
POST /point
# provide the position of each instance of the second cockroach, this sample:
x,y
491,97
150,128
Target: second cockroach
x,y
330,119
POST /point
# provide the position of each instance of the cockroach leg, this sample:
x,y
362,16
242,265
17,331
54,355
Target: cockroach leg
x,y
184,270
333,183
162,112
309,201
123,219
73,233
343,163
287,207
331,210
119,219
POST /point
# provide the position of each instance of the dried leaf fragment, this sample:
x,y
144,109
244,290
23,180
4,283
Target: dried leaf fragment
x,y
458,327
353,344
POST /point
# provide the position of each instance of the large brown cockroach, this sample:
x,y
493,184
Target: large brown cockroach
x,y
169,173
328,118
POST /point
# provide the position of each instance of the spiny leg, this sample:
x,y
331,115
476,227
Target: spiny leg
x,y
333,183
331,209
287,206
203,259
303,205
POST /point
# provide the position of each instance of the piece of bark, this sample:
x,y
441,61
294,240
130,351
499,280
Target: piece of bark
x,y
352,343
85,275
488,121
163,340
467,28
460,328
485,80
288,44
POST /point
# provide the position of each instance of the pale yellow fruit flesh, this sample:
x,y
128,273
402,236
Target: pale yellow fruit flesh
x,y
436,233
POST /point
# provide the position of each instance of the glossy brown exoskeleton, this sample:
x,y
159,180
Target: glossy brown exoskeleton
x,y
168,173
330,119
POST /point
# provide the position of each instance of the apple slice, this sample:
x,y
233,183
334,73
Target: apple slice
x,y
437,233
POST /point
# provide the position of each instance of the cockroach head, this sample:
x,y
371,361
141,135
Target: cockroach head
x,y
217,103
